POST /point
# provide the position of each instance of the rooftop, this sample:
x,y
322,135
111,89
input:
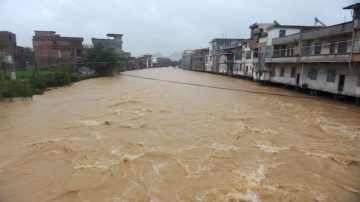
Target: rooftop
x,y
225,39
353,6
114,35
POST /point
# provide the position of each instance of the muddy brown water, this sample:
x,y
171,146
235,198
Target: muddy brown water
x,y
132,139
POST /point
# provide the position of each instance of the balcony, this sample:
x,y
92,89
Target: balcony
x,y
339,51
282,60
330,52
288,55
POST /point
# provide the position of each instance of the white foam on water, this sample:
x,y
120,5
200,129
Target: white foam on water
x,y
320,197
90,122
98,135
271,149
336,128
253,180
45,141
157,167
3,164
117,199
133,125
249,197
223,147
125,156
102,164
321,155
256,177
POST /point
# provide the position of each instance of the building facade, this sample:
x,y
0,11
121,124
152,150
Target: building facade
x,y
217,48
319,58
10,49
322,59
243,60
51,48
198,58
114,41
186,60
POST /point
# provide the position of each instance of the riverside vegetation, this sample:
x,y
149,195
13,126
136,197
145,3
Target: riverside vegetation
x,y
103,60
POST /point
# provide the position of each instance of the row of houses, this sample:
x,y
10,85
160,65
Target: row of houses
x,y
49,48
319,58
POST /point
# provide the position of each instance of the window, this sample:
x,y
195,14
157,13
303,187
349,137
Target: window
x,y
282,72
272,73
331,75
358,83
317,50
256,54
332,47
342,48
282,33
313,74
238,56
293,72
10,37
248,55
283,51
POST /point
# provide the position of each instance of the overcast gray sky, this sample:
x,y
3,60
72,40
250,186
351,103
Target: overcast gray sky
x,y
161,26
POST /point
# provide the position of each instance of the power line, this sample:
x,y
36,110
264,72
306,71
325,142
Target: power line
x,y
219,88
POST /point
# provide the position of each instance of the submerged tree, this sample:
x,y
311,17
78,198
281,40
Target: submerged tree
x,y
104,60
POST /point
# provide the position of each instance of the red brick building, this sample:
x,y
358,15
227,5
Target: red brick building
x,y
51,48
9,46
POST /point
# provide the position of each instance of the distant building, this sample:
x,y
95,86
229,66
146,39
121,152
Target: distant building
x,y
244,59
145,61
217,47
8,46
7,42
164,62
154,61
198,59
51,48
114,41
186,60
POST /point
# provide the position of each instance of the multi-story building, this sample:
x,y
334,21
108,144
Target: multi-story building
x,y
264,45
114,41
257,32
13,52
321,59
217,48
243,60
51,48
7,42
186,60
198,58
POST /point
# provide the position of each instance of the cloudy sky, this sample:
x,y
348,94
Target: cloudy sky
x,y
161,26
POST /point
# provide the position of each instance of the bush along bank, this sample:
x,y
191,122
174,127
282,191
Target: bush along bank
x,y
37,85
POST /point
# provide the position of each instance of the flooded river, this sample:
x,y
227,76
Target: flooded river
x,y
134,139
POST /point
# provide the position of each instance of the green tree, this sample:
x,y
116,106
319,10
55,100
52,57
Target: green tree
x,y
163,62
29,55
104,60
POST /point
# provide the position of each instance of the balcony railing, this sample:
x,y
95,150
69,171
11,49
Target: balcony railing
x,y
338,47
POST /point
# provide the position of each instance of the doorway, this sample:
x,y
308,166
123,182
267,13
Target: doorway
x,y
341,83
297,79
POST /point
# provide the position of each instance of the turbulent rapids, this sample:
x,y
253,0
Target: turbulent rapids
x,y
134,139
